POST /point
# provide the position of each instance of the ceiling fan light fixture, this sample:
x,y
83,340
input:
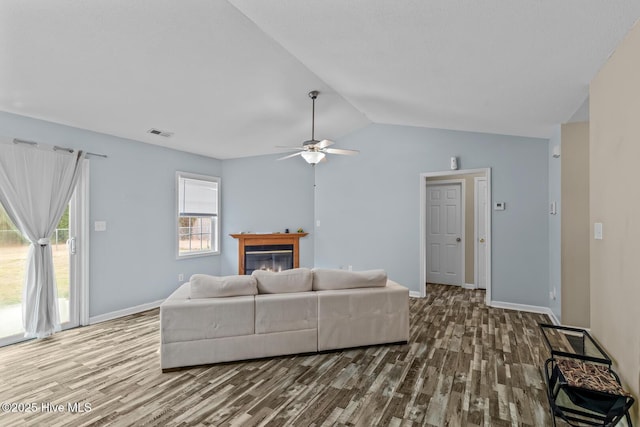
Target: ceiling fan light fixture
x,y
312,157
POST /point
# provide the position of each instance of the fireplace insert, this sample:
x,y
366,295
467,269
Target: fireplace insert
x,y
268,257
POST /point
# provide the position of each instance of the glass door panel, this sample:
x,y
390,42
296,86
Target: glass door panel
x,y
61,260
13,256
13,259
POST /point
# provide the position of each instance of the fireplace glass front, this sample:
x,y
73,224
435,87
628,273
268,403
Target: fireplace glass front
x,y
268,257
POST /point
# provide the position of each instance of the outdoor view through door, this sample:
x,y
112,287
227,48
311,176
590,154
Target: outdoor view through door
x,y
14,248
66,248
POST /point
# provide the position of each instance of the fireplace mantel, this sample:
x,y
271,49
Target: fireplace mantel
x,y
251,239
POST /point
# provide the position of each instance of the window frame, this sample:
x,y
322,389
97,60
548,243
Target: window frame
x,y
216,224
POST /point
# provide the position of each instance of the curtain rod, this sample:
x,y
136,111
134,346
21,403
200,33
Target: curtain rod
x,y
56,148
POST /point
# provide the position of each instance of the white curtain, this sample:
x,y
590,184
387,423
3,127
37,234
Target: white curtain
x,y
35,187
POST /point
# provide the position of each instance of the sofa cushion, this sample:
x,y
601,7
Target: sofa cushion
x,y
205,286
206,318
294,280
327,279
355,317
286,312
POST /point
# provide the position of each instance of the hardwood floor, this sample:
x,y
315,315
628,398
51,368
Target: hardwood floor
x,y
465,365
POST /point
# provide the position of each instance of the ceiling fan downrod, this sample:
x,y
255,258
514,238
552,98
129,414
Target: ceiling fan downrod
x,y
313,95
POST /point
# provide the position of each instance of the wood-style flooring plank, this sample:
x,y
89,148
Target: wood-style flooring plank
x,y
466,364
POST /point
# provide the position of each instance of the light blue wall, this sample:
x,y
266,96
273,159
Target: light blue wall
x,y
368,205
261,194
133,190
555,260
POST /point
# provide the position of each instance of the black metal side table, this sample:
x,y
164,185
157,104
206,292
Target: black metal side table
x,y
582,388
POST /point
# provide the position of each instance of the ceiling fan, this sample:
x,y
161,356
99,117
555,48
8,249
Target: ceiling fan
x,y
314,151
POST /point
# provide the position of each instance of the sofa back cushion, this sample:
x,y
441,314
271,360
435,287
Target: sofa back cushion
x,y
327,279
205,286
294,280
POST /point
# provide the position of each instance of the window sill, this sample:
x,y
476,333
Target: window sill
x,y
197,255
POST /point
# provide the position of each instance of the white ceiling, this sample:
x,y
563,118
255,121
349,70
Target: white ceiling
x,y
230,78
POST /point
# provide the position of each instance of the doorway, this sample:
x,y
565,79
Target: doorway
x,y
70,257
476,271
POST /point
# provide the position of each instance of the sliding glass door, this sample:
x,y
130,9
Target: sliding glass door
x,y
13,255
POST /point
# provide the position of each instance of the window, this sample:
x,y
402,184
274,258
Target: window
x,y
198,214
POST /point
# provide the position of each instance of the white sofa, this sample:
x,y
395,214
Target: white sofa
x,y
220,319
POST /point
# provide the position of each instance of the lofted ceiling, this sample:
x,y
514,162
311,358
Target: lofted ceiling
x,y
230,78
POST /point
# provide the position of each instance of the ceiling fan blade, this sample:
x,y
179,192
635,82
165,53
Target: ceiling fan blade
x,y
324,143
340,151
287,147
291,155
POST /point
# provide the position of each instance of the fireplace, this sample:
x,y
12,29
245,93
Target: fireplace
x,y
273,252
268,257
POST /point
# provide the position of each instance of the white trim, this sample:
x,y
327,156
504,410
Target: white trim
x,y
79,263
489,237
573,326
525,307
125,312
84,227
218,220
446,181
554,319
422,228
415,294
468,286
475,231
476,239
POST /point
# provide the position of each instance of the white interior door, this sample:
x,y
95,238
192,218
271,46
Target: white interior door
x,y
444,234
481,232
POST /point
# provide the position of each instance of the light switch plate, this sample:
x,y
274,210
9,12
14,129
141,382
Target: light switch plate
x,y
100,226
597,231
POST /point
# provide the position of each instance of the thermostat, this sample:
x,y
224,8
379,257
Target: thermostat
x,y
499,206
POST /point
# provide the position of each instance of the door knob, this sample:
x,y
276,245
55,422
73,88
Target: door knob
x,y
481,240
458,239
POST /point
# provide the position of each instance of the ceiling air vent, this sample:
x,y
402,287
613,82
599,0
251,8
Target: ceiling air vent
x,y
160,132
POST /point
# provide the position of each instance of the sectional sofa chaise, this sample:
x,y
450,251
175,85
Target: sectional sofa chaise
x,y
220,319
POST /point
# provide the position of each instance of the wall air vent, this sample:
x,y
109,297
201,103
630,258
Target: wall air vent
x,y
160,132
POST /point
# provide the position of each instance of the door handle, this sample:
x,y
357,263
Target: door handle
x,y
458,239
481,240
72,245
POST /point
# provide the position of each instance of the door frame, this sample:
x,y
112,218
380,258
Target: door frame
x,y
462,184
423,217
79,263
81,268
476,219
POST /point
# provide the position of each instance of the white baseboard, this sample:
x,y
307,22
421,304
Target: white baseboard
x,y
124,312
468,286
525,307
578,327
554,319
415,294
